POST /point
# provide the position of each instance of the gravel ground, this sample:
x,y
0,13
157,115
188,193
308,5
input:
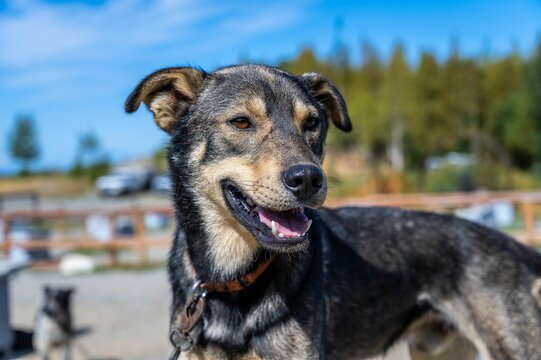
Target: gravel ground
x,y
127,311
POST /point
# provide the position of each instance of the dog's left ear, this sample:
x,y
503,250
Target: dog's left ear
x,y
168,93
330,99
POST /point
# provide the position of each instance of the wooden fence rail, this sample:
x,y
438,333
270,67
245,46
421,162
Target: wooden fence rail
x,y
525,204
139,241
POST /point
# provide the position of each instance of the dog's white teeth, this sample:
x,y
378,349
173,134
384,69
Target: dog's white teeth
x,y
281,235
309,224
273,226
250,201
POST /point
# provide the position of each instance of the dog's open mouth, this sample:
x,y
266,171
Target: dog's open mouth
x,y
272,228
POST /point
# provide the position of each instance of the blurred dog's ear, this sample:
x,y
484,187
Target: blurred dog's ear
x,y
168,93
330,99
70,290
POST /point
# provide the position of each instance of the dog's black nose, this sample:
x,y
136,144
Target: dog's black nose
x,y
304,181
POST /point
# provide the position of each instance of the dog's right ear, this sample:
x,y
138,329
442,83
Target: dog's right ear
x,y
168,93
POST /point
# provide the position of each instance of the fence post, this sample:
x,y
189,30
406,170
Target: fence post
x,y
113,251
7,240
140,235
529,221
60,224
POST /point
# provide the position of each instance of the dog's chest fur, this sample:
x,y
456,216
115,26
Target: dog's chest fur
x,y
48,333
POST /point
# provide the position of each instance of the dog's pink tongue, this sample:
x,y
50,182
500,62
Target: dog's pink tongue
x,y
289,223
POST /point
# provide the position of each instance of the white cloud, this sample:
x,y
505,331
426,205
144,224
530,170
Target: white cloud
x,y
44,44
263,18
33,33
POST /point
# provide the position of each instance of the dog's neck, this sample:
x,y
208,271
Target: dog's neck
x,y
217,246
220,256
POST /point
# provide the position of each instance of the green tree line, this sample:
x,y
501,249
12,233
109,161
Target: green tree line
x,y
403,112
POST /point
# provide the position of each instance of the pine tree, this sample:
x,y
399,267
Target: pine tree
x,y
23,143
399,95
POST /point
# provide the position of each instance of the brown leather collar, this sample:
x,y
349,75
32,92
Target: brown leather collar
x,y
241,283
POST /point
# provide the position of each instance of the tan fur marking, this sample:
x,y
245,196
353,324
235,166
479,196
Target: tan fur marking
x,y
427,334
536,291
187,262
290,340
213,353
256,106
302,111
259,180
162,106
462,318
208,353
184,87
233,246
197,155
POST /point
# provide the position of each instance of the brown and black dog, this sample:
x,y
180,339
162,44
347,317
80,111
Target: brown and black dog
x,y
247,144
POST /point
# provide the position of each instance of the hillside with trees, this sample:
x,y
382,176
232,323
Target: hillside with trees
x,y
403,113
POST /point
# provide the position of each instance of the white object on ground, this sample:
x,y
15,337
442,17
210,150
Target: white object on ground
x,y
75,264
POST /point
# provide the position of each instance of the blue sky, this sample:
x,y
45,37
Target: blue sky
x,y
72,63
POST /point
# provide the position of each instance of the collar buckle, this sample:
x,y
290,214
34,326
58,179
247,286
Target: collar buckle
x,y
185,336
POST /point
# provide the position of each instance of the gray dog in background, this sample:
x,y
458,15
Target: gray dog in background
x,y
53,329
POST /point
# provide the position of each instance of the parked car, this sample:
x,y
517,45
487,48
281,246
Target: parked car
x,y
124,180
115,184
162,184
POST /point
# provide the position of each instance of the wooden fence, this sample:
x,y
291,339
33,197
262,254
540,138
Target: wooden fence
x,y
139,242
525,203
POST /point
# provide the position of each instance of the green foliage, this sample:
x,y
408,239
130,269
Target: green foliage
x,y
159,159
23,142
532,86
89,161
402,114
98,168
451,178
429,114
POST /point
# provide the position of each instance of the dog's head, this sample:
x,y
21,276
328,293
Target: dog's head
x,y
57,300
251,139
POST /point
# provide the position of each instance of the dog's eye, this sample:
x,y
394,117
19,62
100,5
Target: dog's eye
x,y
241,123
311,124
